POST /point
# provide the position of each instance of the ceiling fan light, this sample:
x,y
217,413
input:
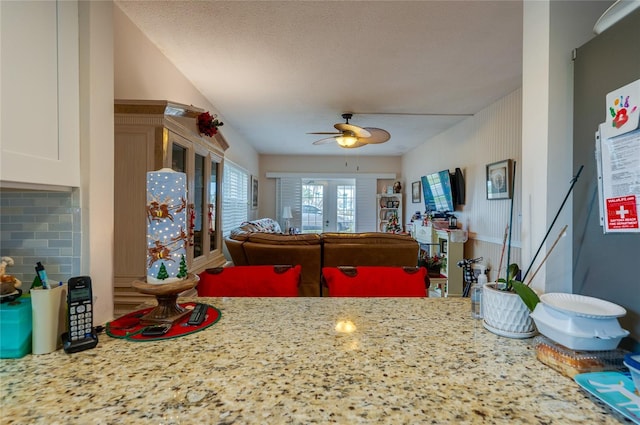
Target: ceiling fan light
x,y
346,141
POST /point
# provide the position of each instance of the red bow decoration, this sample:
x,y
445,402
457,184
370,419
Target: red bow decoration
x,y
208,124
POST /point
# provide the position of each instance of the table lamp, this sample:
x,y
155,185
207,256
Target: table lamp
x,y
286,214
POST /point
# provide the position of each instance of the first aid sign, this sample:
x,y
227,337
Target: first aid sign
x,y
622,213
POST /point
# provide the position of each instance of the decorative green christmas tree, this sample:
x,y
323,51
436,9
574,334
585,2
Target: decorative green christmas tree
x,y
162,273
182,273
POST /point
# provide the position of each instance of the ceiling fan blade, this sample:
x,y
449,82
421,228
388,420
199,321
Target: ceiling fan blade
x,y
358,131
324,141
378,135
326,132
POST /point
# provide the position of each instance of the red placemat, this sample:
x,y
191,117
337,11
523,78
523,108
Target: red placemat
x,y
129,326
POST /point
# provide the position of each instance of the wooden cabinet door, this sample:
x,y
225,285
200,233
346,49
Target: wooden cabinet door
x,y
134,151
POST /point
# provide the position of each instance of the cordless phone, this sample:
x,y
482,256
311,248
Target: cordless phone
x,y
81,335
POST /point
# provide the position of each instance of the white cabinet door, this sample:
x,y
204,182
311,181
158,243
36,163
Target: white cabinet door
x,y
40,92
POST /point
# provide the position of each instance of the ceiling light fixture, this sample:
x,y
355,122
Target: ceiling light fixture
x,y
615,13
347,140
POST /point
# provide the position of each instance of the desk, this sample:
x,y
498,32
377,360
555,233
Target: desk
x,y
280,360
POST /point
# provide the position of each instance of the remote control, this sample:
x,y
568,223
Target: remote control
x,y
198,315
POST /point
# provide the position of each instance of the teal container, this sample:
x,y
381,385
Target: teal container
x,y
15,328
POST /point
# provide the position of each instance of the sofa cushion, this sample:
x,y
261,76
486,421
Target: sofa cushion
x,y
369,249
276,239
376,281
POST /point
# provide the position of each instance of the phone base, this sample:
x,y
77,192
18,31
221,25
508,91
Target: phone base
x,y
80,344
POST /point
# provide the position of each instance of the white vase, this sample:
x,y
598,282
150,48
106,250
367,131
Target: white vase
x,y
505,314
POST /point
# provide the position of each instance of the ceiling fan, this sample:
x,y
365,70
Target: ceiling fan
x,y
351,136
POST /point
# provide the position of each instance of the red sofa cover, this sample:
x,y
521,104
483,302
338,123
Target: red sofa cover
x,y
373,281
250,281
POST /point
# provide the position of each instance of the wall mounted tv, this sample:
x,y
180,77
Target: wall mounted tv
x,y
438,192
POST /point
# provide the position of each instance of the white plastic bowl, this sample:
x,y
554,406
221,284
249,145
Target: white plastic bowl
x,y
578,332
632,361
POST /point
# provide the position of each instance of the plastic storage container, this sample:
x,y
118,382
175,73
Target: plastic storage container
x,y
571,362
15,328
578,332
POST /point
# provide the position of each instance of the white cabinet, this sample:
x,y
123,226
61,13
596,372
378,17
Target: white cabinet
x,y
40,93
449,243
389,218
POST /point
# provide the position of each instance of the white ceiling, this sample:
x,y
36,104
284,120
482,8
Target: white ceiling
x,y
276,70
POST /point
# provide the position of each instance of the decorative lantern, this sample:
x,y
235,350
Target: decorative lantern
x,y
166,226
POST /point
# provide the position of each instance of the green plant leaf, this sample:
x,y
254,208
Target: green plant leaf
x,y
513,271
528,296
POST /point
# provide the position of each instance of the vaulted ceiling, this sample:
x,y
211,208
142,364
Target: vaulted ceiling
x,y
277,70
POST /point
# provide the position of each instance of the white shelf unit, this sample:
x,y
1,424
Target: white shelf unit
x,y
389,204
444,241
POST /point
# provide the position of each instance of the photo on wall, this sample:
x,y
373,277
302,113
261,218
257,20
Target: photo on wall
x,y
499,179
415,192
254,192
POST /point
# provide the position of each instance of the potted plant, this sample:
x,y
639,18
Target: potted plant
x,y
433,263
506,303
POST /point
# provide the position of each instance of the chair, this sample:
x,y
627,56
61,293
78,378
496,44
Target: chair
x,y
250,281
363,281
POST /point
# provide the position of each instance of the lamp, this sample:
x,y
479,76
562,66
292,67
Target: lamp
x,y
286,214
615,13
347,139
453,222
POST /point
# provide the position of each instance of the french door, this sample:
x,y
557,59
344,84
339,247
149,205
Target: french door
x,y
328,206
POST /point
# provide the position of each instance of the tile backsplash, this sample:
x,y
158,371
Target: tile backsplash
x,y
41,226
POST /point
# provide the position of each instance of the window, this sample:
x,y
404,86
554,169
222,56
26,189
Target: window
x,y
352,202
235,197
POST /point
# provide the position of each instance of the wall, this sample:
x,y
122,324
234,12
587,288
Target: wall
x,y
605,265
551,30
349,163
143,72
96,151
491,135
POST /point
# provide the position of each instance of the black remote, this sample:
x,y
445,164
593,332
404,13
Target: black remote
x,y
198,315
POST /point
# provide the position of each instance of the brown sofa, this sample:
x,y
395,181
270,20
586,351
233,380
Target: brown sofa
x,y
369,249
312,252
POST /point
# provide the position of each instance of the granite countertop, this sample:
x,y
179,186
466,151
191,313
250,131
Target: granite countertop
x,y
281,360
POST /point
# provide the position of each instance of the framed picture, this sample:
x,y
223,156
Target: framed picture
x,y
254,192
443,246
499,179
415,192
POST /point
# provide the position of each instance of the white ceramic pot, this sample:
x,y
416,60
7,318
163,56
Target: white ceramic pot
x,y
505,314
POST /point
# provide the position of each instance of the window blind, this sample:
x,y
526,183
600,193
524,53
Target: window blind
x,y
289,193
366,208
235,197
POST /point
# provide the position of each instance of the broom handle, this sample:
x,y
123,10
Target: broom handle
x,y
504,244
573,182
